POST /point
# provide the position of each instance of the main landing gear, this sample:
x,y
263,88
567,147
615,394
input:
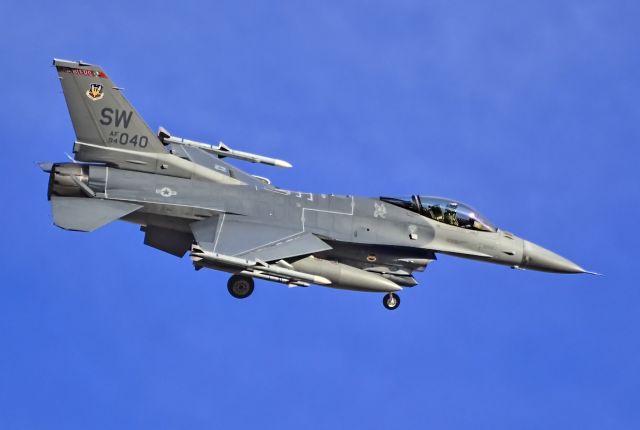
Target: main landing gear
x,y
391,301
240,286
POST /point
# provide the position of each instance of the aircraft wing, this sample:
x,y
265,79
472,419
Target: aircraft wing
x,y
250,238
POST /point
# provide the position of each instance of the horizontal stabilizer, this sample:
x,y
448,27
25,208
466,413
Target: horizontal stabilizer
x,y
87,214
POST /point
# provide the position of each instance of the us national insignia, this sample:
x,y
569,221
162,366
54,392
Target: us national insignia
x,y
166,192
95,92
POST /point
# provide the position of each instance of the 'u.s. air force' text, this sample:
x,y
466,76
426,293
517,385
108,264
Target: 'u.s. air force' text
x,y
121,119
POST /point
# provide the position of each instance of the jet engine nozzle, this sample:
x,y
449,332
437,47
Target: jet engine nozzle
x,y
539,258
69,180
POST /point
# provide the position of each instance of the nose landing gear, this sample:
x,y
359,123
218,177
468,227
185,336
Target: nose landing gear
x,y
391,301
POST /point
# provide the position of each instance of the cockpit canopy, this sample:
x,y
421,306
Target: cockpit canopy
x,y
444,210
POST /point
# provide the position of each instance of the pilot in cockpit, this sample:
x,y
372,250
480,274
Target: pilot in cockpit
x,y
450,214
434,212
444,211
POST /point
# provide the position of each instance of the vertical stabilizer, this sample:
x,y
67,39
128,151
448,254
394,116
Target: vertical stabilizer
x,y
101,115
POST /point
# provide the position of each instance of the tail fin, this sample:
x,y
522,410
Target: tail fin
x,y
102,117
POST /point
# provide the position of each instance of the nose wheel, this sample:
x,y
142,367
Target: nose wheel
x,y
240,287
391,301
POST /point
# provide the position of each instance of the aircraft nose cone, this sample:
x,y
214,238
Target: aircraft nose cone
x,y
539,258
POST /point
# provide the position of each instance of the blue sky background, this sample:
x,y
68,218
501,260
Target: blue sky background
x,y
527,110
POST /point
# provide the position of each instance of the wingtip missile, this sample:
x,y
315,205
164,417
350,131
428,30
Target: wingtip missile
x,y
221,150
282,163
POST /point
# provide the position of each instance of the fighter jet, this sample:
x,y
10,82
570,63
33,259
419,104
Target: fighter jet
x,y
188,199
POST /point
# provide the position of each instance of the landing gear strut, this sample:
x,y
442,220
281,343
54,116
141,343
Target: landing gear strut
x,y
391,301
240,286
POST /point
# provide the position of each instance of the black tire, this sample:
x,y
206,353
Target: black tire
x,y
391,301
240,287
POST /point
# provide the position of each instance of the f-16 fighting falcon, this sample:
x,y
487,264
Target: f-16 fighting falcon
x,y
187,198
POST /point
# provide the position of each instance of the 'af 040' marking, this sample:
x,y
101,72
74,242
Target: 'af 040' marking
x,y
126,139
